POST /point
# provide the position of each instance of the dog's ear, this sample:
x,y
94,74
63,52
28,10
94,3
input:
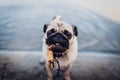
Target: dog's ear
x,y
75,30
45,27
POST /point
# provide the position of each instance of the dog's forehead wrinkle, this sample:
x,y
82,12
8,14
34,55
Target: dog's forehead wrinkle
x,y
59,24
53,26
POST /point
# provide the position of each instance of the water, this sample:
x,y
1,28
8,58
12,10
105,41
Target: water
x,y
21,27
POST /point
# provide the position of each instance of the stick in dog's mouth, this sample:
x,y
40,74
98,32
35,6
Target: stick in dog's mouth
x,y
51,57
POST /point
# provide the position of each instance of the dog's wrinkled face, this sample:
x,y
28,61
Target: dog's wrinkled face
x,y
60,35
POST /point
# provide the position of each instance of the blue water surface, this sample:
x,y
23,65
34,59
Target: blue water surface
x,y
21,27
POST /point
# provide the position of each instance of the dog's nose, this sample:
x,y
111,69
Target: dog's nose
x,y
58,37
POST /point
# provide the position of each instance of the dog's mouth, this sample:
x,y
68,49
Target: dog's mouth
x,y
59,48
60,44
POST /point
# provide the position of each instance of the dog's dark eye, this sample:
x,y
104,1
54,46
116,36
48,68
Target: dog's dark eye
x,y
68,34
50,32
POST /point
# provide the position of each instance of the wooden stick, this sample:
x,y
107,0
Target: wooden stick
x,y
50,57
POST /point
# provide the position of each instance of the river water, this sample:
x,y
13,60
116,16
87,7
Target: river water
x,y
21,26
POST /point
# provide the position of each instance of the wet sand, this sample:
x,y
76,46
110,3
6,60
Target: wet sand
x,y
24,65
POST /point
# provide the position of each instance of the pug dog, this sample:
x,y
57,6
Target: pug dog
x,y
64,38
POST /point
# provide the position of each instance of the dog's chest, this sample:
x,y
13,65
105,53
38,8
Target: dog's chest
x,y
63,62
61,67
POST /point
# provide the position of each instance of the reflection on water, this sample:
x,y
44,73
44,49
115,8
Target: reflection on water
x,y
21,27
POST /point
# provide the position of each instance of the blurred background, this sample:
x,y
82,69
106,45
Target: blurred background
x,y
98,22
21,32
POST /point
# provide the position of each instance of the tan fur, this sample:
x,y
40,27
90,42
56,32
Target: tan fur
x,y
68,59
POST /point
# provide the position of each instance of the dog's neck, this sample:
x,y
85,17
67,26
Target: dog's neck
x,y
58,55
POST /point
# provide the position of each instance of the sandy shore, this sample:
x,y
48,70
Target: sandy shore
x,y
24,65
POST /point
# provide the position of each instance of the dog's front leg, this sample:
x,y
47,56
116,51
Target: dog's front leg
x,y
49,72
67,72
